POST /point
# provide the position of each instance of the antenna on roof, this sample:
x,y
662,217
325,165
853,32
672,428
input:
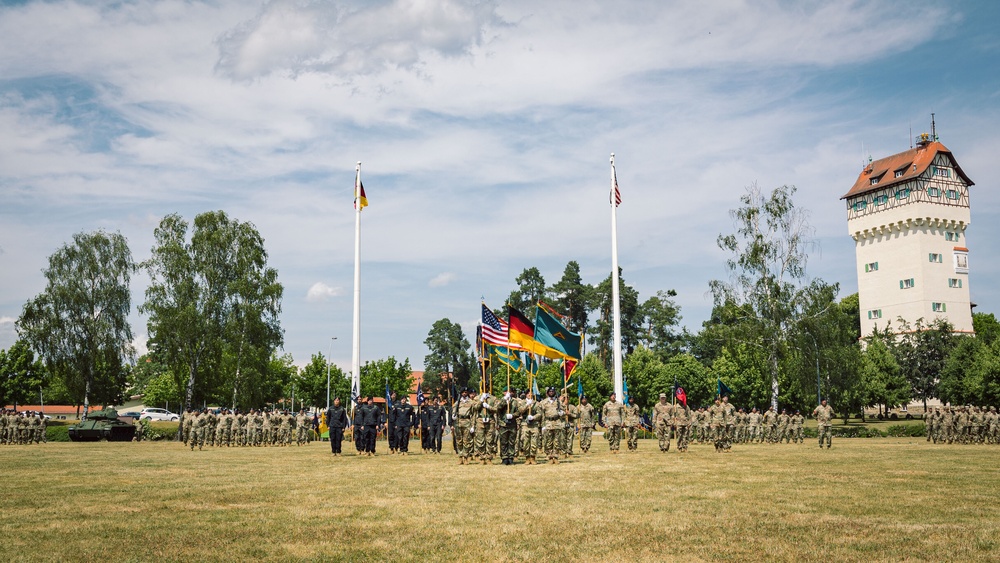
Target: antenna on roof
x,y
934,136
911,135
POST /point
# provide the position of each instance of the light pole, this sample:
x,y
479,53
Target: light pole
x,y
332,338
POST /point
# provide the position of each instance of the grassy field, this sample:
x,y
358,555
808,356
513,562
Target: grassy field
x,y
863,500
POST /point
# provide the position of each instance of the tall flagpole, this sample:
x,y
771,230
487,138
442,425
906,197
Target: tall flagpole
x,y
356,343
615,292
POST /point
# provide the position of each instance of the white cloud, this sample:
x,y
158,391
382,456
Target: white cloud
x,y
322,292
441,279
294,37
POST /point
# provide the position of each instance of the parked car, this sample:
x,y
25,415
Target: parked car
x,y
158,414
130,414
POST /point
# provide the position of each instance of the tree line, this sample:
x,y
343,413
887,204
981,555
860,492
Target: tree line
x,y
775,335
213,304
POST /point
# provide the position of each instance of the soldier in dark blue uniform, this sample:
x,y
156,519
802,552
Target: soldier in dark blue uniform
x,y
336,421
405,418
435,415
371,418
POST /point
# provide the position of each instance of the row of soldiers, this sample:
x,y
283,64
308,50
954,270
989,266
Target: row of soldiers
x,y
227,428
25,427
963,425
752,427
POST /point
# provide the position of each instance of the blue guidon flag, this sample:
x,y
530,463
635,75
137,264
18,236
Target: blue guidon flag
x,y
420,395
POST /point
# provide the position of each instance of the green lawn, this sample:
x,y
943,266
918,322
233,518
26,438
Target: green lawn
x,y
863,500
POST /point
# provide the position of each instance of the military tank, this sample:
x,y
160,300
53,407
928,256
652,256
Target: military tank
x,y
102,425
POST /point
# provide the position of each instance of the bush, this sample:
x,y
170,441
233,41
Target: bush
x,y
57,433
161,431
906,431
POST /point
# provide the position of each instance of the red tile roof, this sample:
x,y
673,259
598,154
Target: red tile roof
x,y
913,163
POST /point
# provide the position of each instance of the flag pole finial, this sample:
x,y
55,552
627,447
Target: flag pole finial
x,y
612,158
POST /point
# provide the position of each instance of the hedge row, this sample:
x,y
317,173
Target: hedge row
x,y
895,431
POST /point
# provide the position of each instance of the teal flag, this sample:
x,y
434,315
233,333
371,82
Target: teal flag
x,y
551,333
624,391
724,391
507,357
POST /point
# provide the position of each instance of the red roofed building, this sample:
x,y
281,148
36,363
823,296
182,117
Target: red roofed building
x,y
908,214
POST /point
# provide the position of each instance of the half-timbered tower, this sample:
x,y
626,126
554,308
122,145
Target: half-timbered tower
x,y
908,214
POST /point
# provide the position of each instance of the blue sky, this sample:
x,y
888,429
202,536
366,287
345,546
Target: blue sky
x,y
484,130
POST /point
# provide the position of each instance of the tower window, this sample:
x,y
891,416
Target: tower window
x,y
938,307
907,283
943,172
954,283
903,193
881,200
875,314
933,192
951,194
871,267
874,181
899,173
860,205
936,258
951,236
961,262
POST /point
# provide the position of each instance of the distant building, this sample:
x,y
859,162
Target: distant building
x,y
908,214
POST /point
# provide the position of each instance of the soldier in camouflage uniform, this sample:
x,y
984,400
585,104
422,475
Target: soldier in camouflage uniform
x,y
662,419
198,424
586,421
613,415
717,424
784,422
797,422
302,424
728,424
486,410
508,411
993,423
682,423
770,425
824,421
533,416
569,426
753,426
631,424
464,427
554,416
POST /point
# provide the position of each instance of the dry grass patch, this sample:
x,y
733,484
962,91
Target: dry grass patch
x,y
889,499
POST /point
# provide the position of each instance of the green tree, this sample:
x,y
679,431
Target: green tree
x,y
986,326
661,316
162,391
79,323
767,272
375,374
449,353
921,352
884,383
690,375
530,290
312,383
572,297
631,319
213,305
22,377
646,378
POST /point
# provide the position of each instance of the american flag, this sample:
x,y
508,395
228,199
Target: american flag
x,y
494,329
617,195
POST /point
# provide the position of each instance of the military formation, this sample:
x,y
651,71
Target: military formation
x,y
227,428
25,427
963,425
